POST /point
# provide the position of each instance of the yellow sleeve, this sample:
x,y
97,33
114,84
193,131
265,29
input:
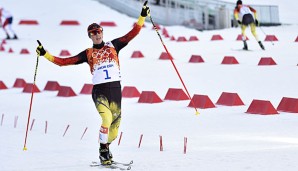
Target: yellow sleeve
x,y
254,11
141,21
49,57
236,14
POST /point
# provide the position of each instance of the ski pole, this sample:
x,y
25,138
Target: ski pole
x,y
171,58
31,100
266,35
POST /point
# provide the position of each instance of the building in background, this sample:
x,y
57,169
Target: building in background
x,y
198,14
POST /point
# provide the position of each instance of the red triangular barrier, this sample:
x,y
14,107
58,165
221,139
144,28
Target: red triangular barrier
x,y
52,86
2,85
296,40
66,91
24,51
216,37
28,22
157,27
108,24
164,31
193,38
196,59
2,48
64,53
164,55
271,38
166,35
130,91
201,101
176,94
172,38
261,107
239,37
19,83
149,97
137,54
28,88
181,39
69,23
87,89
10,50
229,99
266,61
229,60
288,105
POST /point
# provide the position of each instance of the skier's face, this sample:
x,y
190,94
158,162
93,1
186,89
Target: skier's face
x,y
96,37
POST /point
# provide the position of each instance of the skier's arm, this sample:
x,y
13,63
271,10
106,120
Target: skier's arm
x,y
254,11
121,42
236,15
80,58
236,11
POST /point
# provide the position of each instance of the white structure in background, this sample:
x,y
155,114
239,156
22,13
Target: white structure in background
x,y
198,14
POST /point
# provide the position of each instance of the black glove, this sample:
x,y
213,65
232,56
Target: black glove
x,y
257,22
145,10
40,50
239,22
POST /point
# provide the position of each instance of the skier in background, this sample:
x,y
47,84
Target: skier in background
x,y
6,21
104,65
247,16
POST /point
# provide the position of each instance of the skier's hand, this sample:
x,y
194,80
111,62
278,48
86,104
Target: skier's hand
x,y
257,22
40,50
145,10
239,22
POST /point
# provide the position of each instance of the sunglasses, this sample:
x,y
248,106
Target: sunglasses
x,y
95,31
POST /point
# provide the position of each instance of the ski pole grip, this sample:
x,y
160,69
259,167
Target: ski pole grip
x,y
39,44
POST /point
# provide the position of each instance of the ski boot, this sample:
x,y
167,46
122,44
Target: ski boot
x,y
245,45
261,45
104,154
110,153
7,36
111,156
15,37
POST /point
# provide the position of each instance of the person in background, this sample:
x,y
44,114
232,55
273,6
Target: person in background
x,y
247,16
104,64
6,21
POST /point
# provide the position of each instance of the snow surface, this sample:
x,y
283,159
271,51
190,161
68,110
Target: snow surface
x,y
222,138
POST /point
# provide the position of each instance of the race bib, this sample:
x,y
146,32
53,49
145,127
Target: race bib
x,y
106,72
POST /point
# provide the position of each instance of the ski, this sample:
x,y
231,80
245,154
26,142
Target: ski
x,y
241,50
124,164
114,165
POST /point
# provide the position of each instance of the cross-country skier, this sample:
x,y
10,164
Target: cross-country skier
x,y
247,16
104,65
6,21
